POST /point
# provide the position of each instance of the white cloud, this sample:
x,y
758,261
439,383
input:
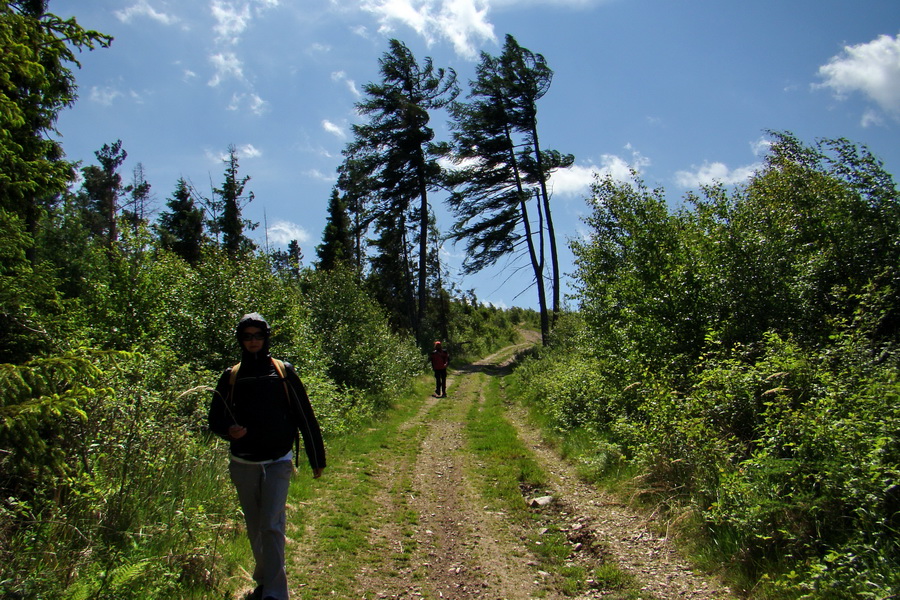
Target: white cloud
x,y
105,96
245,151
319,48
282,232
230,20
872,69
226,64
334,129
248,151
761,146
339,76
142,8
465,24
257,105
560,3
577,179
872,117
462,22
254,103
712,173
317,174
572,181
361,31
620,169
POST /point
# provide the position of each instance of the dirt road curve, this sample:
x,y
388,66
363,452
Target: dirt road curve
x,y
449,545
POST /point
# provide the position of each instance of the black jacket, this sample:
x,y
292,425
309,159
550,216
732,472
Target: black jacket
x,y
257,402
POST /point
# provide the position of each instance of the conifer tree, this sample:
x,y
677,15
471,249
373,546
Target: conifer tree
x,y
180,228
36,83
394,150
337,246
501,168
358,196
101,190
232,201
138,208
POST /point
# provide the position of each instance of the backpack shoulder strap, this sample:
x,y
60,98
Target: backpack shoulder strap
x,y
279,368
233,376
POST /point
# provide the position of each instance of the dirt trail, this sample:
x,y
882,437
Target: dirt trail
x,y
442,542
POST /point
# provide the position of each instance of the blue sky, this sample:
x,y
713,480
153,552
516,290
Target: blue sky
x,y
681,90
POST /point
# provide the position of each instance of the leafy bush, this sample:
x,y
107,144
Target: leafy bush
x,y
746,356
360,350
94,484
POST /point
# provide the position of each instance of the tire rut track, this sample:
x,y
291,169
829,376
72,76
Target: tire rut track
x,y
436,540
461,551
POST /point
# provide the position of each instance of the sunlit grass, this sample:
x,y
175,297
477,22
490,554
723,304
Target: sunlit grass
x,y
508,472
338,511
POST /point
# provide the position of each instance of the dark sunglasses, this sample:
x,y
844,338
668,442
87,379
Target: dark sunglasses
x,y
246,337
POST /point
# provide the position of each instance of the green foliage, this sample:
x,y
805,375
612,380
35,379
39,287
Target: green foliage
x,y
94,460
741,354
41,411
360,349
36,82
31,309
475,329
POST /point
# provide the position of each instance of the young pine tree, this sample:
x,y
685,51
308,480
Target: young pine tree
x,y
337,245
180,228
232,200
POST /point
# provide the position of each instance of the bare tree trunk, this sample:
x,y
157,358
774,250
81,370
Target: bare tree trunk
x,y
551,231
537,264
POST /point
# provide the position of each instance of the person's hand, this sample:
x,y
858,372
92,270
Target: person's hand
x,y
317,473
236,432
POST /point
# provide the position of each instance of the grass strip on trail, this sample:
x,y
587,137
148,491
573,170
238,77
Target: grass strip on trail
x,y
335,515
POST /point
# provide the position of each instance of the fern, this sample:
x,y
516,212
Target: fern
x,y
108,582
124,575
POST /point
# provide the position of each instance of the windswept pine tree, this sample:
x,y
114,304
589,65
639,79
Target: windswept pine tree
x,y
501,168
393,150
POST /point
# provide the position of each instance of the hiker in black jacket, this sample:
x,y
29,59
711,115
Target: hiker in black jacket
x,y
259,406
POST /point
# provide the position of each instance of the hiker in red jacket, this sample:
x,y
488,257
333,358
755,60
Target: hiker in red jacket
x,y
440,358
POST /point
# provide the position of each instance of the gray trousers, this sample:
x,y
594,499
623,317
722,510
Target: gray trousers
x,y
262,491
